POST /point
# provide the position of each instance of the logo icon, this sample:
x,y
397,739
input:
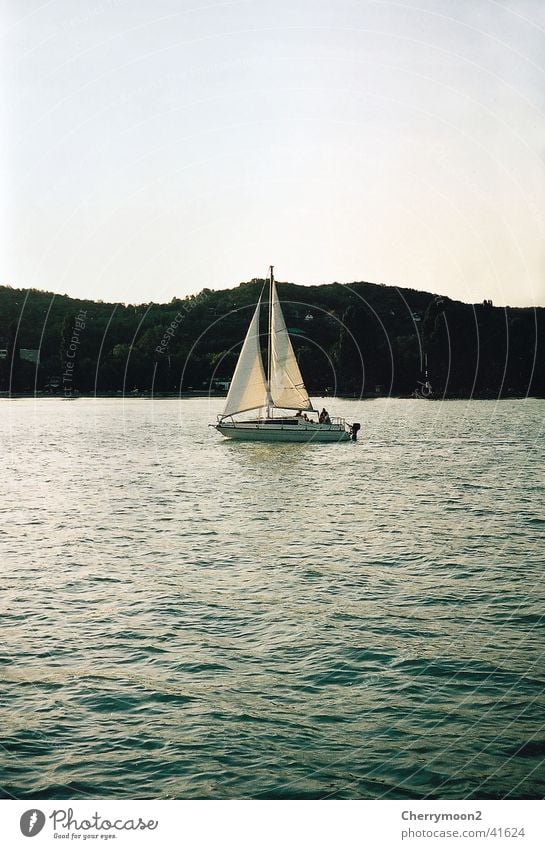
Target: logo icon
x,y
32,822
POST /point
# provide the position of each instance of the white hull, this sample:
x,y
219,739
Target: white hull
x,y
267,432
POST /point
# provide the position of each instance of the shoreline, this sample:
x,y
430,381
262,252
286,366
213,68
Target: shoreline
x,y
183,396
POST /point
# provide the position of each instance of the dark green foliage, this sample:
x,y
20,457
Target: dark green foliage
x,y
356,339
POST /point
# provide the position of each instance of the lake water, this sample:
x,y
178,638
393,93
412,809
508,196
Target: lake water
x,y
188,617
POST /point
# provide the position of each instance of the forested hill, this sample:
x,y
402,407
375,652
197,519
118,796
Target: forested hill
x,y
361,338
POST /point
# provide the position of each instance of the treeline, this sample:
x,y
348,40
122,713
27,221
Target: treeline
x,y
356,339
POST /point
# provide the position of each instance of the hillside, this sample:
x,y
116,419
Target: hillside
x,y
362,339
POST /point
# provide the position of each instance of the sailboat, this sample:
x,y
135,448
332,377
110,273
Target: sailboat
x,y
275,395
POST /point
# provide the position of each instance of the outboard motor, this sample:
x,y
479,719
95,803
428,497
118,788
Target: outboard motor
x,y
354,430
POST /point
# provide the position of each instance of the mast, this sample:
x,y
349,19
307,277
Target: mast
x,y
269,347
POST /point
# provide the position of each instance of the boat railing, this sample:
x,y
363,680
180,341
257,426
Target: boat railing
x,y
335,422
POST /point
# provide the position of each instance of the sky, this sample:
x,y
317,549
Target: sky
x,y
151,148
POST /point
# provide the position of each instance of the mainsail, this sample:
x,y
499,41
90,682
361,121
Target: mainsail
x,y
286,383
248,390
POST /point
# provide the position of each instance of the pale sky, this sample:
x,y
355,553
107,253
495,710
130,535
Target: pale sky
x,y
154,147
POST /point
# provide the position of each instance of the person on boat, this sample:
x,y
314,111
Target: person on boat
x,y
324,417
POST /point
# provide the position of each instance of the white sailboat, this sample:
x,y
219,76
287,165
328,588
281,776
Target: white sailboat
x,y
281,389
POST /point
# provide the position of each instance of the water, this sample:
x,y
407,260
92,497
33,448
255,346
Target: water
x,y
187,617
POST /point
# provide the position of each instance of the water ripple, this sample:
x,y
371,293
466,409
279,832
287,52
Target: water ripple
x,y
189,618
